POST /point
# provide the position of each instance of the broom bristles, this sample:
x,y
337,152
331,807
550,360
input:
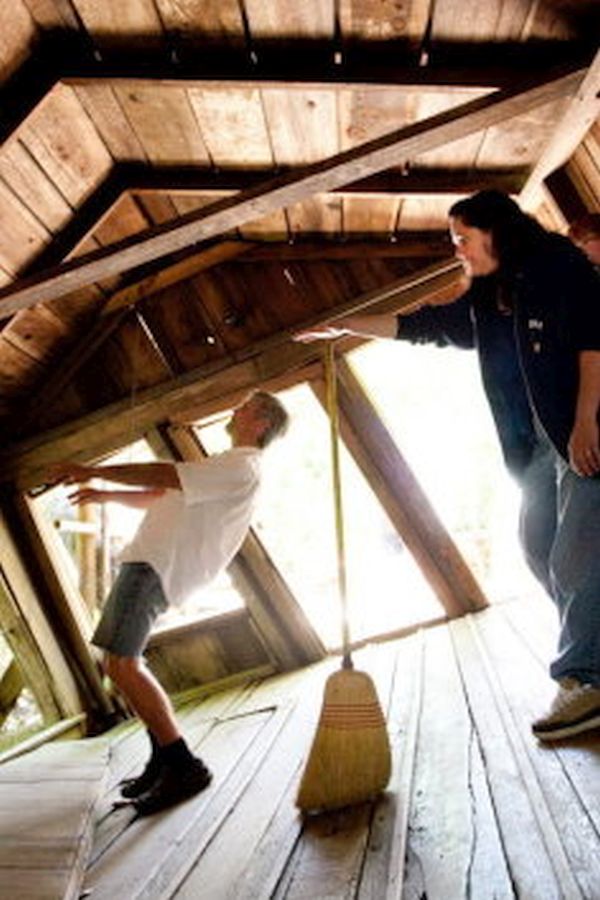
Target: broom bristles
x,y
350,759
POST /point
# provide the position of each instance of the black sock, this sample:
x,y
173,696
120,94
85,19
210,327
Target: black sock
x,y
177,753
156,752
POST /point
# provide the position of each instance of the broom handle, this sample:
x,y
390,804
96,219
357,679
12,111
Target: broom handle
x,y
332,407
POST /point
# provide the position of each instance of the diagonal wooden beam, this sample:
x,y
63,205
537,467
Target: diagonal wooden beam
x,y
321,177
401,495
580,115
111,427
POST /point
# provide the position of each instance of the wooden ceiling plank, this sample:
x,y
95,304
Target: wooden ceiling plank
x,y
102,106
580,115
174,273
164,123
111,427
65,143
32,185
323,176
231,119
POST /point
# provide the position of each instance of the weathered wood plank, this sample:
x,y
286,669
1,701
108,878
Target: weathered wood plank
x,y
454,846
535,852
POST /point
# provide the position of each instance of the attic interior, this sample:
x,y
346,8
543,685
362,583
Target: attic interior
x,y
183,185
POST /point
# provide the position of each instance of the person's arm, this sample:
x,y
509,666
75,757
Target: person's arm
x,y
584,443
376,326
141,499
149,475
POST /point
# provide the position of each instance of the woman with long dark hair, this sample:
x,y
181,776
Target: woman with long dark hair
x,y
532,312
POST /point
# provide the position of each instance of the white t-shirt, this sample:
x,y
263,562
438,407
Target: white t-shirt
x,y
189,535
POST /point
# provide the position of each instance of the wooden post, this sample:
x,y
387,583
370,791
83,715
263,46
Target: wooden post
x,y
400,494
61,603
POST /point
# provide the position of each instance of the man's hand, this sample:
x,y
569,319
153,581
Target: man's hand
x,y
69,473
87,495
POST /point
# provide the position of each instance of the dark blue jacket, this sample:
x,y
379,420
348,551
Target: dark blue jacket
x,y
529,356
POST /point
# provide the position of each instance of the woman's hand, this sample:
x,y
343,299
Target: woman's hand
x,y
321,333
584,448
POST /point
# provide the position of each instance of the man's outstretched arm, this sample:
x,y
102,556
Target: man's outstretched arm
x,y
148,475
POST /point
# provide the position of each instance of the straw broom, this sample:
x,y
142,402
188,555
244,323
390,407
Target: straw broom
x,y
350,760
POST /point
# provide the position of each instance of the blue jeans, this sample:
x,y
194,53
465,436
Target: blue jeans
x,y
560,533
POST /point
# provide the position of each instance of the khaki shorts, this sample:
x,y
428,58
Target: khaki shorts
x,y
131,609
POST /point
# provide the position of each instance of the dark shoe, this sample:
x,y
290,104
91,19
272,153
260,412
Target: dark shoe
x,y
135,787
173,786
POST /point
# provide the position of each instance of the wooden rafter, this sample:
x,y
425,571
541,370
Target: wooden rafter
x,y
111,427
580,115
324,176
400,494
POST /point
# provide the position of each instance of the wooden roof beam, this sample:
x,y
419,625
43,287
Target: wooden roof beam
x,y
142,179
321,177
580,115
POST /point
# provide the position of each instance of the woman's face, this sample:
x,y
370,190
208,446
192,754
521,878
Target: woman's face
x,y
473,247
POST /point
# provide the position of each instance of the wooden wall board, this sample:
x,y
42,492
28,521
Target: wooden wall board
x,y
302,125
51,13
312,19
233,124
18,36
131,360
66,144
366,216
18,370
37,333
158,207
273,226
125,218
195,21
30,183
164,123
177,317
27,234
102,106
112,22
320,214
383,20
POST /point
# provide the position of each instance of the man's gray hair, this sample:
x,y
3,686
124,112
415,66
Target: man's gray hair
x,y
276,415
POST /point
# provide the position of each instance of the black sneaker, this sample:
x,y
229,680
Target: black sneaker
x,y
135,787
173,786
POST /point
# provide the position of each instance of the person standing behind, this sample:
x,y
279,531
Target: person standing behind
x,y
585,234
532,313
197,516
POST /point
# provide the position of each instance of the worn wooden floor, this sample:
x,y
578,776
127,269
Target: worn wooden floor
x,y
476,807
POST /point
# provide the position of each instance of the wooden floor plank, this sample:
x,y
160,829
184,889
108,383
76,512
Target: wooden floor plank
x,y
383,870
568,772
269,796
454,848
538,865
47,800
152,851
